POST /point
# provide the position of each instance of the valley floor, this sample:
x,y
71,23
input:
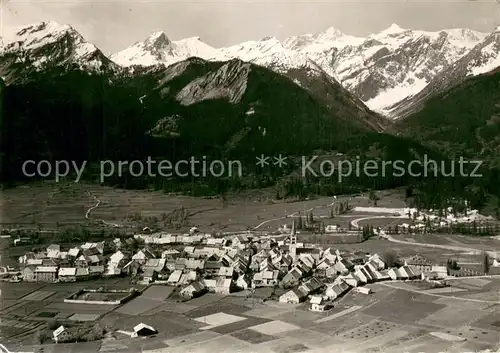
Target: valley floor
x,y
396,317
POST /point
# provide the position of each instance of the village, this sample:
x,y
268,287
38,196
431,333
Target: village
x,y
331,274
196,264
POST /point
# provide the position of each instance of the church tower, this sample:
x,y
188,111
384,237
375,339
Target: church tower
x,y
293,242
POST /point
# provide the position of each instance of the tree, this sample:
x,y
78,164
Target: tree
x,y
299,224
452,264
391,259
408,192
373,197
486,263
40,337
310,218
367,232
52,324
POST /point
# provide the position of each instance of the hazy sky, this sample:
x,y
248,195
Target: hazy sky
x,y
114,25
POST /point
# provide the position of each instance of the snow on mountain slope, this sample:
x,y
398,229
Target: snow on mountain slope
x,y
388,66
322,47
485,56
382,69
158,49
482,58
49,44
271,53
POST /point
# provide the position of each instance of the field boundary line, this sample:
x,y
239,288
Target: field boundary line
x,y
339,314
441,296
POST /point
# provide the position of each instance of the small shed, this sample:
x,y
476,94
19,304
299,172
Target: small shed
x,y
318,303
364,290
141,330
61,334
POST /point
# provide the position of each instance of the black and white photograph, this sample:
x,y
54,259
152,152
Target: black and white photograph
x,y
240,176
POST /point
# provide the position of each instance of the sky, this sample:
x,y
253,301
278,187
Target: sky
x,y
113,25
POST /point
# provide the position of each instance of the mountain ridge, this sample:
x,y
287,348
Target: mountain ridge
x,y
384,70
48,44
378,68
481,59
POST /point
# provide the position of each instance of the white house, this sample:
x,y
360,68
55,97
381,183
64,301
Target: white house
x,y
337,290
53,254
364,290
61,334
328,254
210,284
74,252
331,228
293,296
318,303
226,272
408,272
325,263
270,278
174,278
373,270
141,257
362,276
375,258
67,274
442,271
242,282
394,274
343,266
99,246
193,290
117,257
223,286
116,263
352,279
144,330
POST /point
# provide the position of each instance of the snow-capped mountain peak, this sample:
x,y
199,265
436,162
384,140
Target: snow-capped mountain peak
x,y
157,40
158,49
392,29
194,46
330,33
381,69
48,44
42,27
464,36
39,34
484,57
270,52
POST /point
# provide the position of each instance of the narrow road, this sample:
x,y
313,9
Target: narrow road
x,y
493,254
4,349
356,221
94,207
